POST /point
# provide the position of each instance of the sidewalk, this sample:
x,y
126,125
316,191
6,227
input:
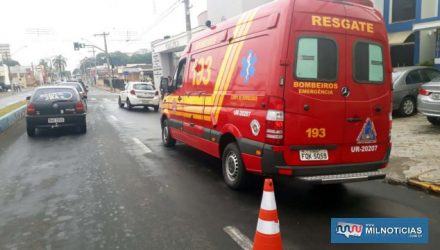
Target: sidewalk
x,y
415,158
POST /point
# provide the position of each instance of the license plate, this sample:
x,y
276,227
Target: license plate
x,y
55,120
313,155
435,96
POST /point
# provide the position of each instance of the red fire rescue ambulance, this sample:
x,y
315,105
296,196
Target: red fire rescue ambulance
x,y
294,87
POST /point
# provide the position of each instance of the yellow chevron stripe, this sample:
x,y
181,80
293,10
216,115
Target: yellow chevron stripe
x,y
234,63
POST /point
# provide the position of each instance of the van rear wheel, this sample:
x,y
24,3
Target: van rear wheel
x,y
234,172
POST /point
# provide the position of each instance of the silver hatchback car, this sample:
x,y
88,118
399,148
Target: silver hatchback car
x,y
428,101
406,84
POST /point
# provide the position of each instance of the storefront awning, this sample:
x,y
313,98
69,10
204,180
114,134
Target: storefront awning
x,y
428,25
398,37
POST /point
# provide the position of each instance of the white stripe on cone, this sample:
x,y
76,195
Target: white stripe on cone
x,y
268,227
268,201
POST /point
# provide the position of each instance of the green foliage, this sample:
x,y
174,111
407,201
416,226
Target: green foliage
x,y
428,63
11,62
118,59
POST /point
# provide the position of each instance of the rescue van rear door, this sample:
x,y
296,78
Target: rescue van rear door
x,y
315,109
367,89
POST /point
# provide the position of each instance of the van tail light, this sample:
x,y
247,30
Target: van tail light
x,y
156,93
79,107
30,110
132,92
275,121
424,92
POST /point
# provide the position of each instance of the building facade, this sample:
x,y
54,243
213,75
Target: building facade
x,y
413,31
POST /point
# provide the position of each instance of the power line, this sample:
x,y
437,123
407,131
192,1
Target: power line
x,y
163,15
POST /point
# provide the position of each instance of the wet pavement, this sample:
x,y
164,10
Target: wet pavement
x,y
117,187
416,151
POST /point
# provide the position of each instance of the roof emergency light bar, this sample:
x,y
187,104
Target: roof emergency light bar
x,y
368,3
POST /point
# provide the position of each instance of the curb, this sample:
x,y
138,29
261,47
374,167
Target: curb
x,y
425,185
13,116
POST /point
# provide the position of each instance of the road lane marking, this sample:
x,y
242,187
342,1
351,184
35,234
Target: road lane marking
x,y
113,117
141,145
239,238
101,106
92,99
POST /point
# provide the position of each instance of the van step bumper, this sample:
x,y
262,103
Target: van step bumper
x,y
343,178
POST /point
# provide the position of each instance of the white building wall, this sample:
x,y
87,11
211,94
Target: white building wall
x,y
429,8
427,45
378,4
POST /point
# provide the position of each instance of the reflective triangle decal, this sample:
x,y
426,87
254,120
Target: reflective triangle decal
x,y
368,133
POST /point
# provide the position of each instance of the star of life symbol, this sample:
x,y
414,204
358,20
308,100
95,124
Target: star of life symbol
x,y
248,69
368,133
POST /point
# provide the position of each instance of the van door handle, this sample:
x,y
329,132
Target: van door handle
x,y
354,119
378,109
192,124
179,98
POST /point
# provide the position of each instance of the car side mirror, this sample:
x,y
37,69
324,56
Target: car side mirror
x,y
28,98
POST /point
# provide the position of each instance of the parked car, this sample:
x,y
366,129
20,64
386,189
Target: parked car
x,y
406,84
428,102
4,87
82,91
55,107
139,94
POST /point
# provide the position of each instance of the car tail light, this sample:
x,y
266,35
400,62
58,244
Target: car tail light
x,y
79,107
424,92
156,93
30,110
275,121
132,92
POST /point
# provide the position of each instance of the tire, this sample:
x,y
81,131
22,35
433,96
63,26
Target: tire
x,y
167,140
156,108
434,120
129,106
82,128
30,131
234,172
407,107
120,103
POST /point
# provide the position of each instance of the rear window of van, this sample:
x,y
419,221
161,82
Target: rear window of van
x,y
368,63
143,86
317,59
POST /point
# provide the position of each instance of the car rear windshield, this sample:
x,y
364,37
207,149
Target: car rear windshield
x,y
76,85
143,87
55,94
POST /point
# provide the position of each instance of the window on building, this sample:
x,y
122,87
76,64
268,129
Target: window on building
x,y
317,59
368,63
403,10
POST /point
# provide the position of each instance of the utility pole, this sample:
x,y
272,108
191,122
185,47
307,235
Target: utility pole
x,y
187,19
103,34
94,63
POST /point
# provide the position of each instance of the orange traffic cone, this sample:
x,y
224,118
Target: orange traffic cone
x,y
268,236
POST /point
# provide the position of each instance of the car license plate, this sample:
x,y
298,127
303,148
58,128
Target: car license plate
x,y
313,155
55,120
435,96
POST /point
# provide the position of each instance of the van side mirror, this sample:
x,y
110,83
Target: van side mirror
x,y
166,85
28,98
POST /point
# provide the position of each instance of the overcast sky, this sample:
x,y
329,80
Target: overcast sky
x,y
62,22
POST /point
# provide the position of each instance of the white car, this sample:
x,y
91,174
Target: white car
x,y
139,94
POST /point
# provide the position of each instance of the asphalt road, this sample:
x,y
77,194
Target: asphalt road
x,y
116,187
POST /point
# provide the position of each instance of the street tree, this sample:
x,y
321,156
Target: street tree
x,y
59,63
